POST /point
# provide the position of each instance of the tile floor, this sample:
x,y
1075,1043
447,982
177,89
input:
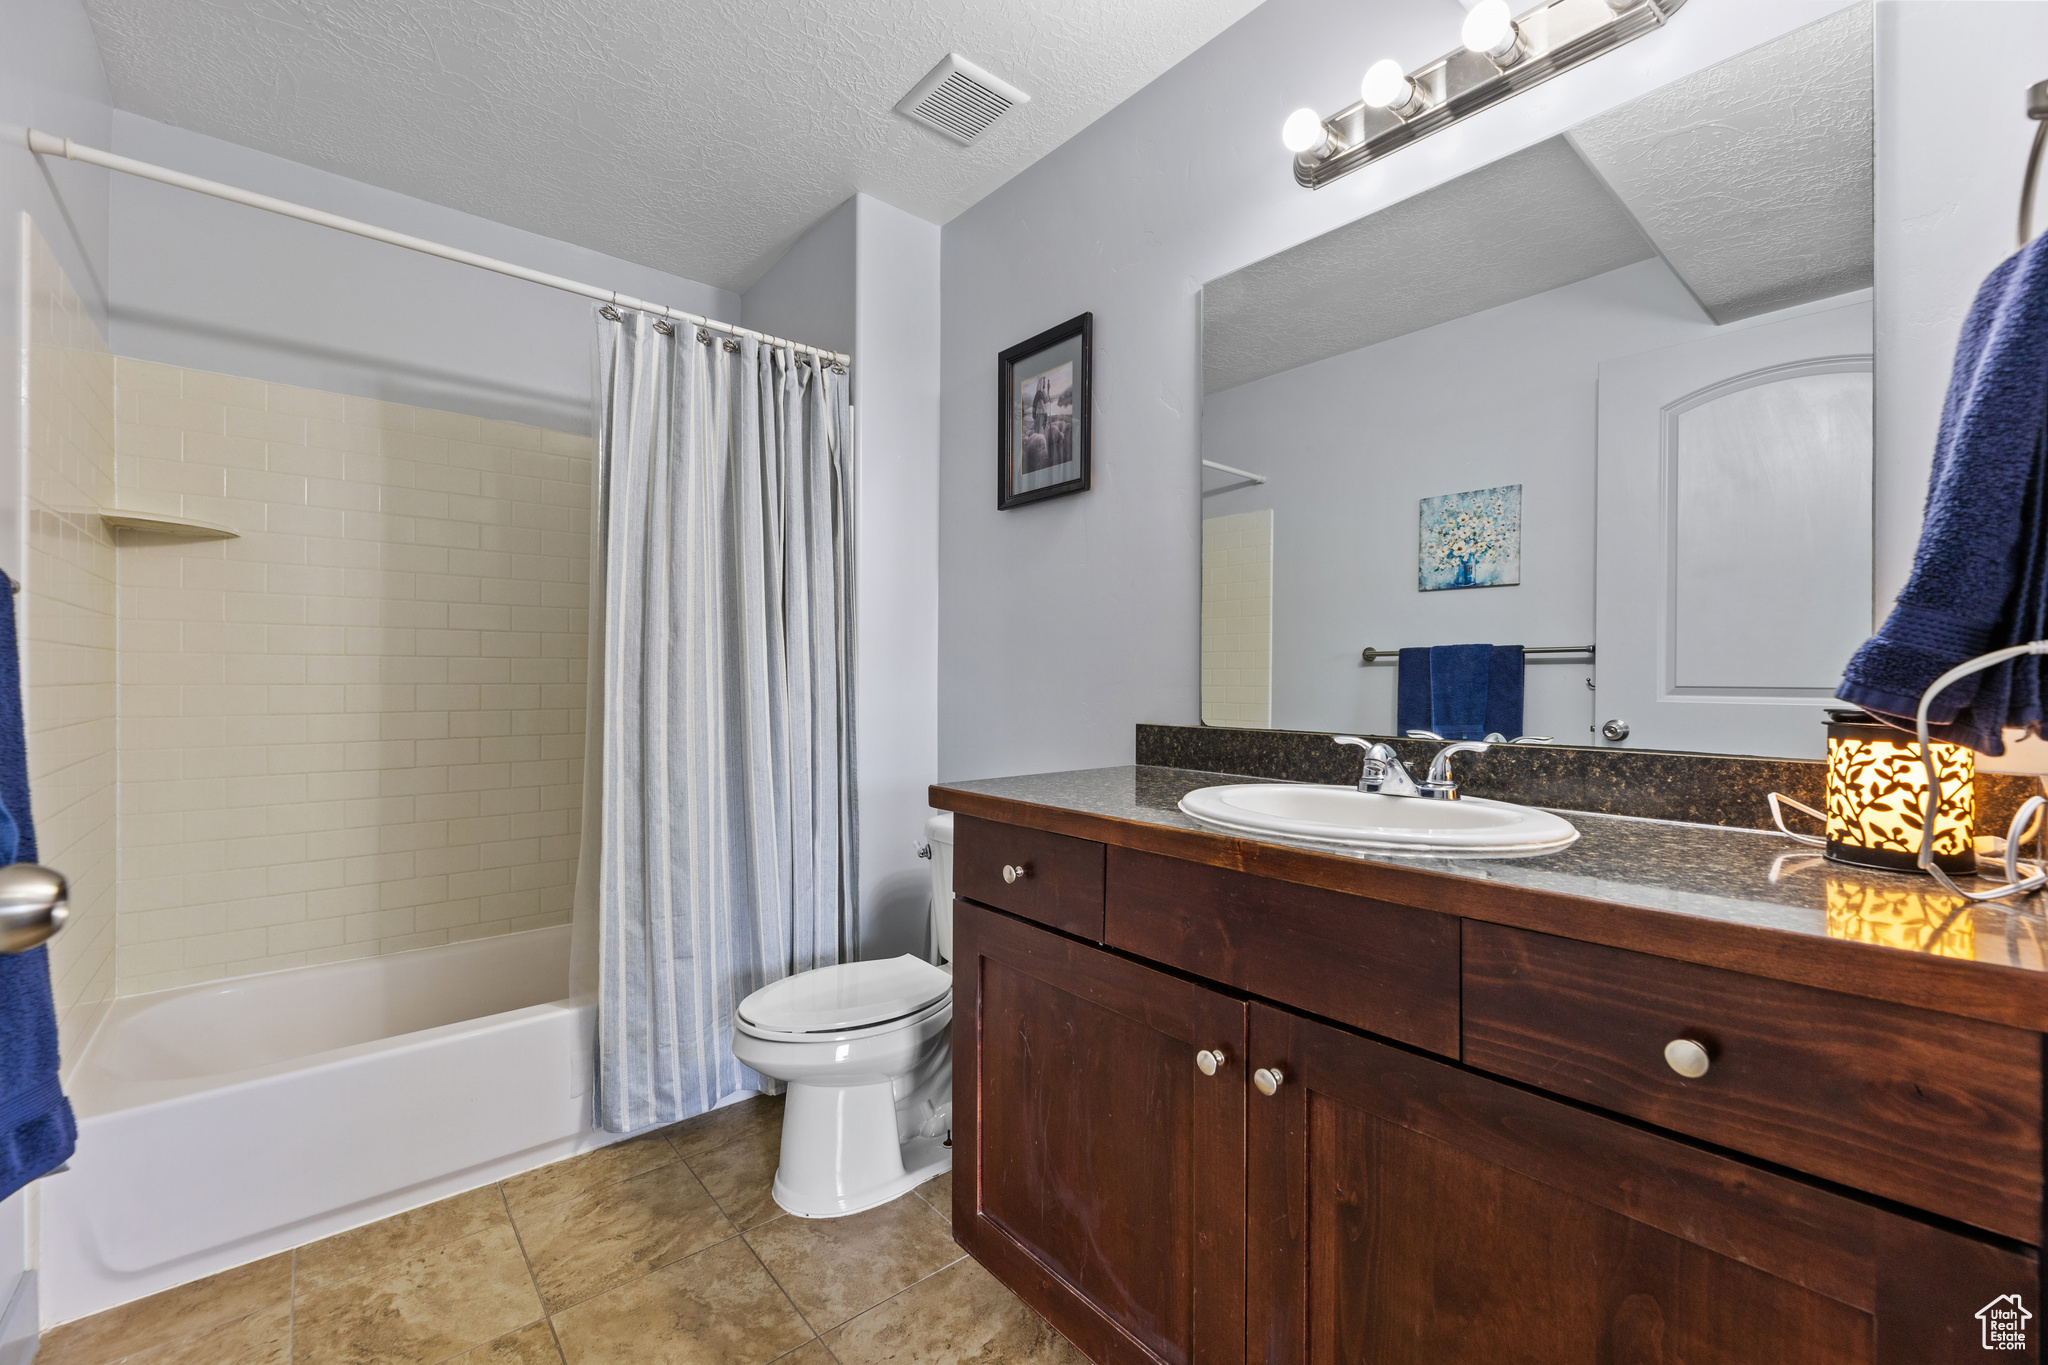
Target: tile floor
x,y
665,1250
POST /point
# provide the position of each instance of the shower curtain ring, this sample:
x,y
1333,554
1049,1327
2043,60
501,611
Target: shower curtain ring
x,y
665,327
703,335
731,345
608,313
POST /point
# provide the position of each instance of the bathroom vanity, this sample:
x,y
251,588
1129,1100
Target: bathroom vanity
x,y
1225,1100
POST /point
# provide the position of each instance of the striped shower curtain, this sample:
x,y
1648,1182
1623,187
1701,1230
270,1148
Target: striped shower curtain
x,y
718,821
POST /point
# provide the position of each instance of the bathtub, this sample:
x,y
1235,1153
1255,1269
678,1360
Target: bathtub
x,y
224,1122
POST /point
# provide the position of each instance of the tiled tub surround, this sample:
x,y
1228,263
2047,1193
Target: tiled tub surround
x,y
666,1248
66,625
357,728
1237,619
1703,789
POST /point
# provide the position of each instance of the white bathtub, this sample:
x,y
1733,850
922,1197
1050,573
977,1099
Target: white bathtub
x,y
225,1122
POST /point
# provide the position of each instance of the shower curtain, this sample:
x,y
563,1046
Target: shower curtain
x,y
718,818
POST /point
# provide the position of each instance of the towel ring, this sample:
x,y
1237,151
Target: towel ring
x,y
2037,110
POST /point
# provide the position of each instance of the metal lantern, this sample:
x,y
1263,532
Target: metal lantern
x,y
1877,798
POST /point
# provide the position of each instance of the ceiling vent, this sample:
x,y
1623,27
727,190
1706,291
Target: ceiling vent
x,y
960,100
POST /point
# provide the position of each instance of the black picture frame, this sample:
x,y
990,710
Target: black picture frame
x,y
1045,430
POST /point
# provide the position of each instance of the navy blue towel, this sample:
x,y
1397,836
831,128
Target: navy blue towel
x,y
1412,712
37,1131
1504,692
1459,678
1980,575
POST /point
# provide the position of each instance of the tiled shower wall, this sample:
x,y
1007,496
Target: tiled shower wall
x,y
358,727
66,622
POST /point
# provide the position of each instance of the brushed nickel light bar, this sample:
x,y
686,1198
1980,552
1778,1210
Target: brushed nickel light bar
x,y
1501,56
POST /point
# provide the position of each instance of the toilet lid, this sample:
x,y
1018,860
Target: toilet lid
x,y
849,996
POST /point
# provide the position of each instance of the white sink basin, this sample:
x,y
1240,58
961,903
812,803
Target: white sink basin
x,y
1350,818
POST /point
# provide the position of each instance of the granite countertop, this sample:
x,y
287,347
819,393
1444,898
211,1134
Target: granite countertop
x,y
1734,877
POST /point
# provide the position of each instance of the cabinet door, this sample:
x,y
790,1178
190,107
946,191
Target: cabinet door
x,y
1407,1212
1097,1171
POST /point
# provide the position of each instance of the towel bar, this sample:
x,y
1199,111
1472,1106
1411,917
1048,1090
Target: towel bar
x,y
1373,656
34,903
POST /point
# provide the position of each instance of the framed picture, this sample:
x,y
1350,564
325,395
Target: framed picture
x,y
1043,421
1471,540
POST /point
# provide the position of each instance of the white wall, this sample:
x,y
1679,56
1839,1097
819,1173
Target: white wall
x,y
203,284
866,281
1064,623
51,80
1350,444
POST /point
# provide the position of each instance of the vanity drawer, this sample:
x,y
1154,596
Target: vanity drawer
x,y
1935,1111
1387,969
1058,878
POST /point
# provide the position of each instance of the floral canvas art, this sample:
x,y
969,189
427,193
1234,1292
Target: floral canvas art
x,y
1471,540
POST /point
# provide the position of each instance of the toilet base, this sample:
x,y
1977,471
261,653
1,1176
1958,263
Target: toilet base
x,y
923,1159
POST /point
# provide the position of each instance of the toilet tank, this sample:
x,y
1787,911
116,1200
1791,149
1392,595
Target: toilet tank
x,y
938,832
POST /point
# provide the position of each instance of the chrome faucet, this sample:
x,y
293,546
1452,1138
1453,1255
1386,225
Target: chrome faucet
x,y
1386,774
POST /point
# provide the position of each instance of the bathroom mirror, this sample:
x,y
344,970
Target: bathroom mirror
x,y
1607,399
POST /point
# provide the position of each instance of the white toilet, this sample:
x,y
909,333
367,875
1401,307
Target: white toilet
x,y
867,1050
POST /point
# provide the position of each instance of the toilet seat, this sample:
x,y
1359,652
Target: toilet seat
x,y
849,1000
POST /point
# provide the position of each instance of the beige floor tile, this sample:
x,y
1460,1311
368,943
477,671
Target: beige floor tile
x,y
586,1245
833,1268
348,1254
938,1192
172,1314
718,1307
740,1171
587,1172
749,1118
959,1315
263,1338
533,1345
810,1353
427,1308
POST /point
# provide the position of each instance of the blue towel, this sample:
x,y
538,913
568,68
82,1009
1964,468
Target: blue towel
x,y
1459,678
37,1131
1980,575
1504,692
1412,712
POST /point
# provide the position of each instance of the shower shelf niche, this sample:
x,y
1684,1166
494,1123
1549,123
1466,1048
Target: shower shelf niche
x,y
166,524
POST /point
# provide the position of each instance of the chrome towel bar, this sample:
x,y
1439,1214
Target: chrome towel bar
x,y
1373,656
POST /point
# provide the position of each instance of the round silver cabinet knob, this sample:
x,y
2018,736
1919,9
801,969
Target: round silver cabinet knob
x,y
1616,730
1687,1057
1211,1060
1017,873
1268,1079
34,903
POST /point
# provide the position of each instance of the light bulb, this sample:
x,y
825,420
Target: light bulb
x,y
1489,30
1304,132
1386,86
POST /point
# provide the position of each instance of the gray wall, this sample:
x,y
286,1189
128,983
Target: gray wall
x,y
1350,444
210,285
50,80
866,281
1064,623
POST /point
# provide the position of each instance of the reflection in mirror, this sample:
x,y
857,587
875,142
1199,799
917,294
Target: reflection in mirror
x,y
1643,348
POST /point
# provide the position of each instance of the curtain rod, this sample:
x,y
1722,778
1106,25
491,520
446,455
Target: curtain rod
x,y
46,144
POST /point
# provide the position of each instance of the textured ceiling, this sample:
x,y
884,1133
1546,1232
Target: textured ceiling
x,y
1754,177
1533,221
700,137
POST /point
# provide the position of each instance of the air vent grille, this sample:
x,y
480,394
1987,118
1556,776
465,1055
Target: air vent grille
x,y
959,99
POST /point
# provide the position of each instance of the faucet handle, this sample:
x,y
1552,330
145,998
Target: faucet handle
x,y
1365,744
1440,766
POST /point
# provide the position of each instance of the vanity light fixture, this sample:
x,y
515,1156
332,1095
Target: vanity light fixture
x,y
1303,133
1501,56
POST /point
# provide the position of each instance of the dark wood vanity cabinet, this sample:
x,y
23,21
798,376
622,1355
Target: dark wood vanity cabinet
x,y
1390,1202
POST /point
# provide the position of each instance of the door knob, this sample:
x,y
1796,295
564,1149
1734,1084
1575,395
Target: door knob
x,y
1017,873
1616,730
34,903
1211,1060
1687,1057
1268,1079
